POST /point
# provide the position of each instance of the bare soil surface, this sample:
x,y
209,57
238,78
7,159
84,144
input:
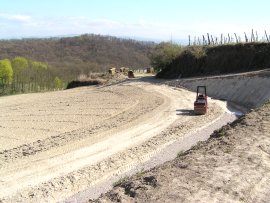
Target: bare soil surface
x,y
232,166
53,145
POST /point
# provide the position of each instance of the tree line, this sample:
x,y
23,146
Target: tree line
x,y
20,75
163,54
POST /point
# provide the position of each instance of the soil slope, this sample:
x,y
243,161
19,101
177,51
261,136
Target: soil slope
x,y
250,89
232,166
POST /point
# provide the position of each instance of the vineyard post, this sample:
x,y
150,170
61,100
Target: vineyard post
x,y
221,39
246,37
266,36
208,38
212,40
252,36
203,40
236,39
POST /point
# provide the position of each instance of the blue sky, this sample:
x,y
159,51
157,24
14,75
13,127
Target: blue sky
x,y
152,19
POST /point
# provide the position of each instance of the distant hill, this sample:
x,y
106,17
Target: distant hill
x,y
71,56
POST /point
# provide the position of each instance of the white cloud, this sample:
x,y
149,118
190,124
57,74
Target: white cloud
x,y
29,26
16,18
21,18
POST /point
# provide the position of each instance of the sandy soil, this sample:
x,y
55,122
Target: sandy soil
x,y
232,166
53,145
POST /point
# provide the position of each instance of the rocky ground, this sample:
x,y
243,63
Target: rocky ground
x,y
232,166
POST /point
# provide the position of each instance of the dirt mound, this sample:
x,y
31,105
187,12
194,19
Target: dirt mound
x,y
97,79
232,166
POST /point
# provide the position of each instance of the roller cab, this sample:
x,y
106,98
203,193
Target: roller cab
x,y
200,104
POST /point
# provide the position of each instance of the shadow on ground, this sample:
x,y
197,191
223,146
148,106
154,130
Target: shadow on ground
x,y
185,112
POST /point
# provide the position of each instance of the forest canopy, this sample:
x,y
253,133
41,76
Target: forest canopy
x,y
71,56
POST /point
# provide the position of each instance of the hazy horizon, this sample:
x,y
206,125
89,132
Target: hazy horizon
x,y
152,20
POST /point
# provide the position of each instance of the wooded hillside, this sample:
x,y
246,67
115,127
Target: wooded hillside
x,y
216,60
72,56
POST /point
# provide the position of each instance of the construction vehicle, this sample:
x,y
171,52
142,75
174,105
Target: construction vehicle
x,y
130,74
200,104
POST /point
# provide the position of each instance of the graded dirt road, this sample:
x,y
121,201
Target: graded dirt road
x,y
53,145
232,166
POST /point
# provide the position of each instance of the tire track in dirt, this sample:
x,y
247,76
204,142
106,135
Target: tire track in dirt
x,y
61,139
115,145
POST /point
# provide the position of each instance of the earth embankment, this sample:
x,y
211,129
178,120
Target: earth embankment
x,y
249,89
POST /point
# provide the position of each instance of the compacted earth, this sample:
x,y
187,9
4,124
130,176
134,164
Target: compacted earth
x,y
232,166
56,144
